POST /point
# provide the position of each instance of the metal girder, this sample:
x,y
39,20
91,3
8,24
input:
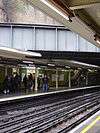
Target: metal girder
x,y
79,4
63,7
87,19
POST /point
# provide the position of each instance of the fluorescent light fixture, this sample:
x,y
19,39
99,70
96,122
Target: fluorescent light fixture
x,y
55,9
27,53
90,70
84,64
63,70
38,68
67,66
98,41
29,67
28,62
32,54
51,64
79,68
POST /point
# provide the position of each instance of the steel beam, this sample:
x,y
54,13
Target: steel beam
x,y
56,78
36,79
63,7
69,79
80,4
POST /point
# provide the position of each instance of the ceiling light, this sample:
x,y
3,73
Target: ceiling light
x,y
79,68
28,62
31,65
38,68
84,64
55,9
32,54
51,64
97,39
67,66
26,53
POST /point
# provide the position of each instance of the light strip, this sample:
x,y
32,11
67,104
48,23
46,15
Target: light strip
x,y
98,41
29,67
55,9
51,65
67,66
27,53
84,64
28,62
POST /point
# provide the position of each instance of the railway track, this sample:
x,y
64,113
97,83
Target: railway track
x,y
48,117
21,105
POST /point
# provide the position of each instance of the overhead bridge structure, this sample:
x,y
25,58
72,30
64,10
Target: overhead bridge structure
x,y
38,37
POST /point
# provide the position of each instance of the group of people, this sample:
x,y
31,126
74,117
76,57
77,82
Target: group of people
x,y
13,84
29,83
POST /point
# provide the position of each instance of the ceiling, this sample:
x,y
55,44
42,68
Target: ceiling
x,y
94,12
86,10
84,15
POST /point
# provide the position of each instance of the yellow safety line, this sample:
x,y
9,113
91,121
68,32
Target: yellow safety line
x,y
90,125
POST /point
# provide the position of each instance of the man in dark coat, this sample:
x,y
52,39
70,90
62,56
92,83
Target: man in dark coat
x,y
45,83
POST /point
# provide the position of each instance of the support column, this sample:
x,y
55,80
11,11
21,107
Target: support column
x,y
56,39
69,79
56,79
87,78
17,69
6,71
36,79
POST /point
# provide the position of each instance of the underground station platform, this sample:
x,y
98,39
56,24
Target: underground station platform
x,y
49,66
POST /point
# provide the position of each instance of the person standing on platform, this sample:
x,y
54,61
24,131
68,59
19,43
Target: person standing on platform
x,y
39,83
33,77
30,83
25,82
45,83
7,84
16,83
12,83
19,81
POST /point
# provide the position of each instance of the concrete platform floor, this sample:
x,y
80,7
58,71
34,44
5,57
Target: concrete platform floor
x,y
91,125
17,96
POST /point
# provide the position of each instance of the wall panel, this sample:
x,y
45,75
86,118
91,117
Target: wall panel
x,y
5,37
42,38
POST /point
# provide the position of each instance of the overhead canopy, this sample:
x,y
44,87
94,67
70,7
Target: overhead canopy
x,y
16,54
54,59
76,59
